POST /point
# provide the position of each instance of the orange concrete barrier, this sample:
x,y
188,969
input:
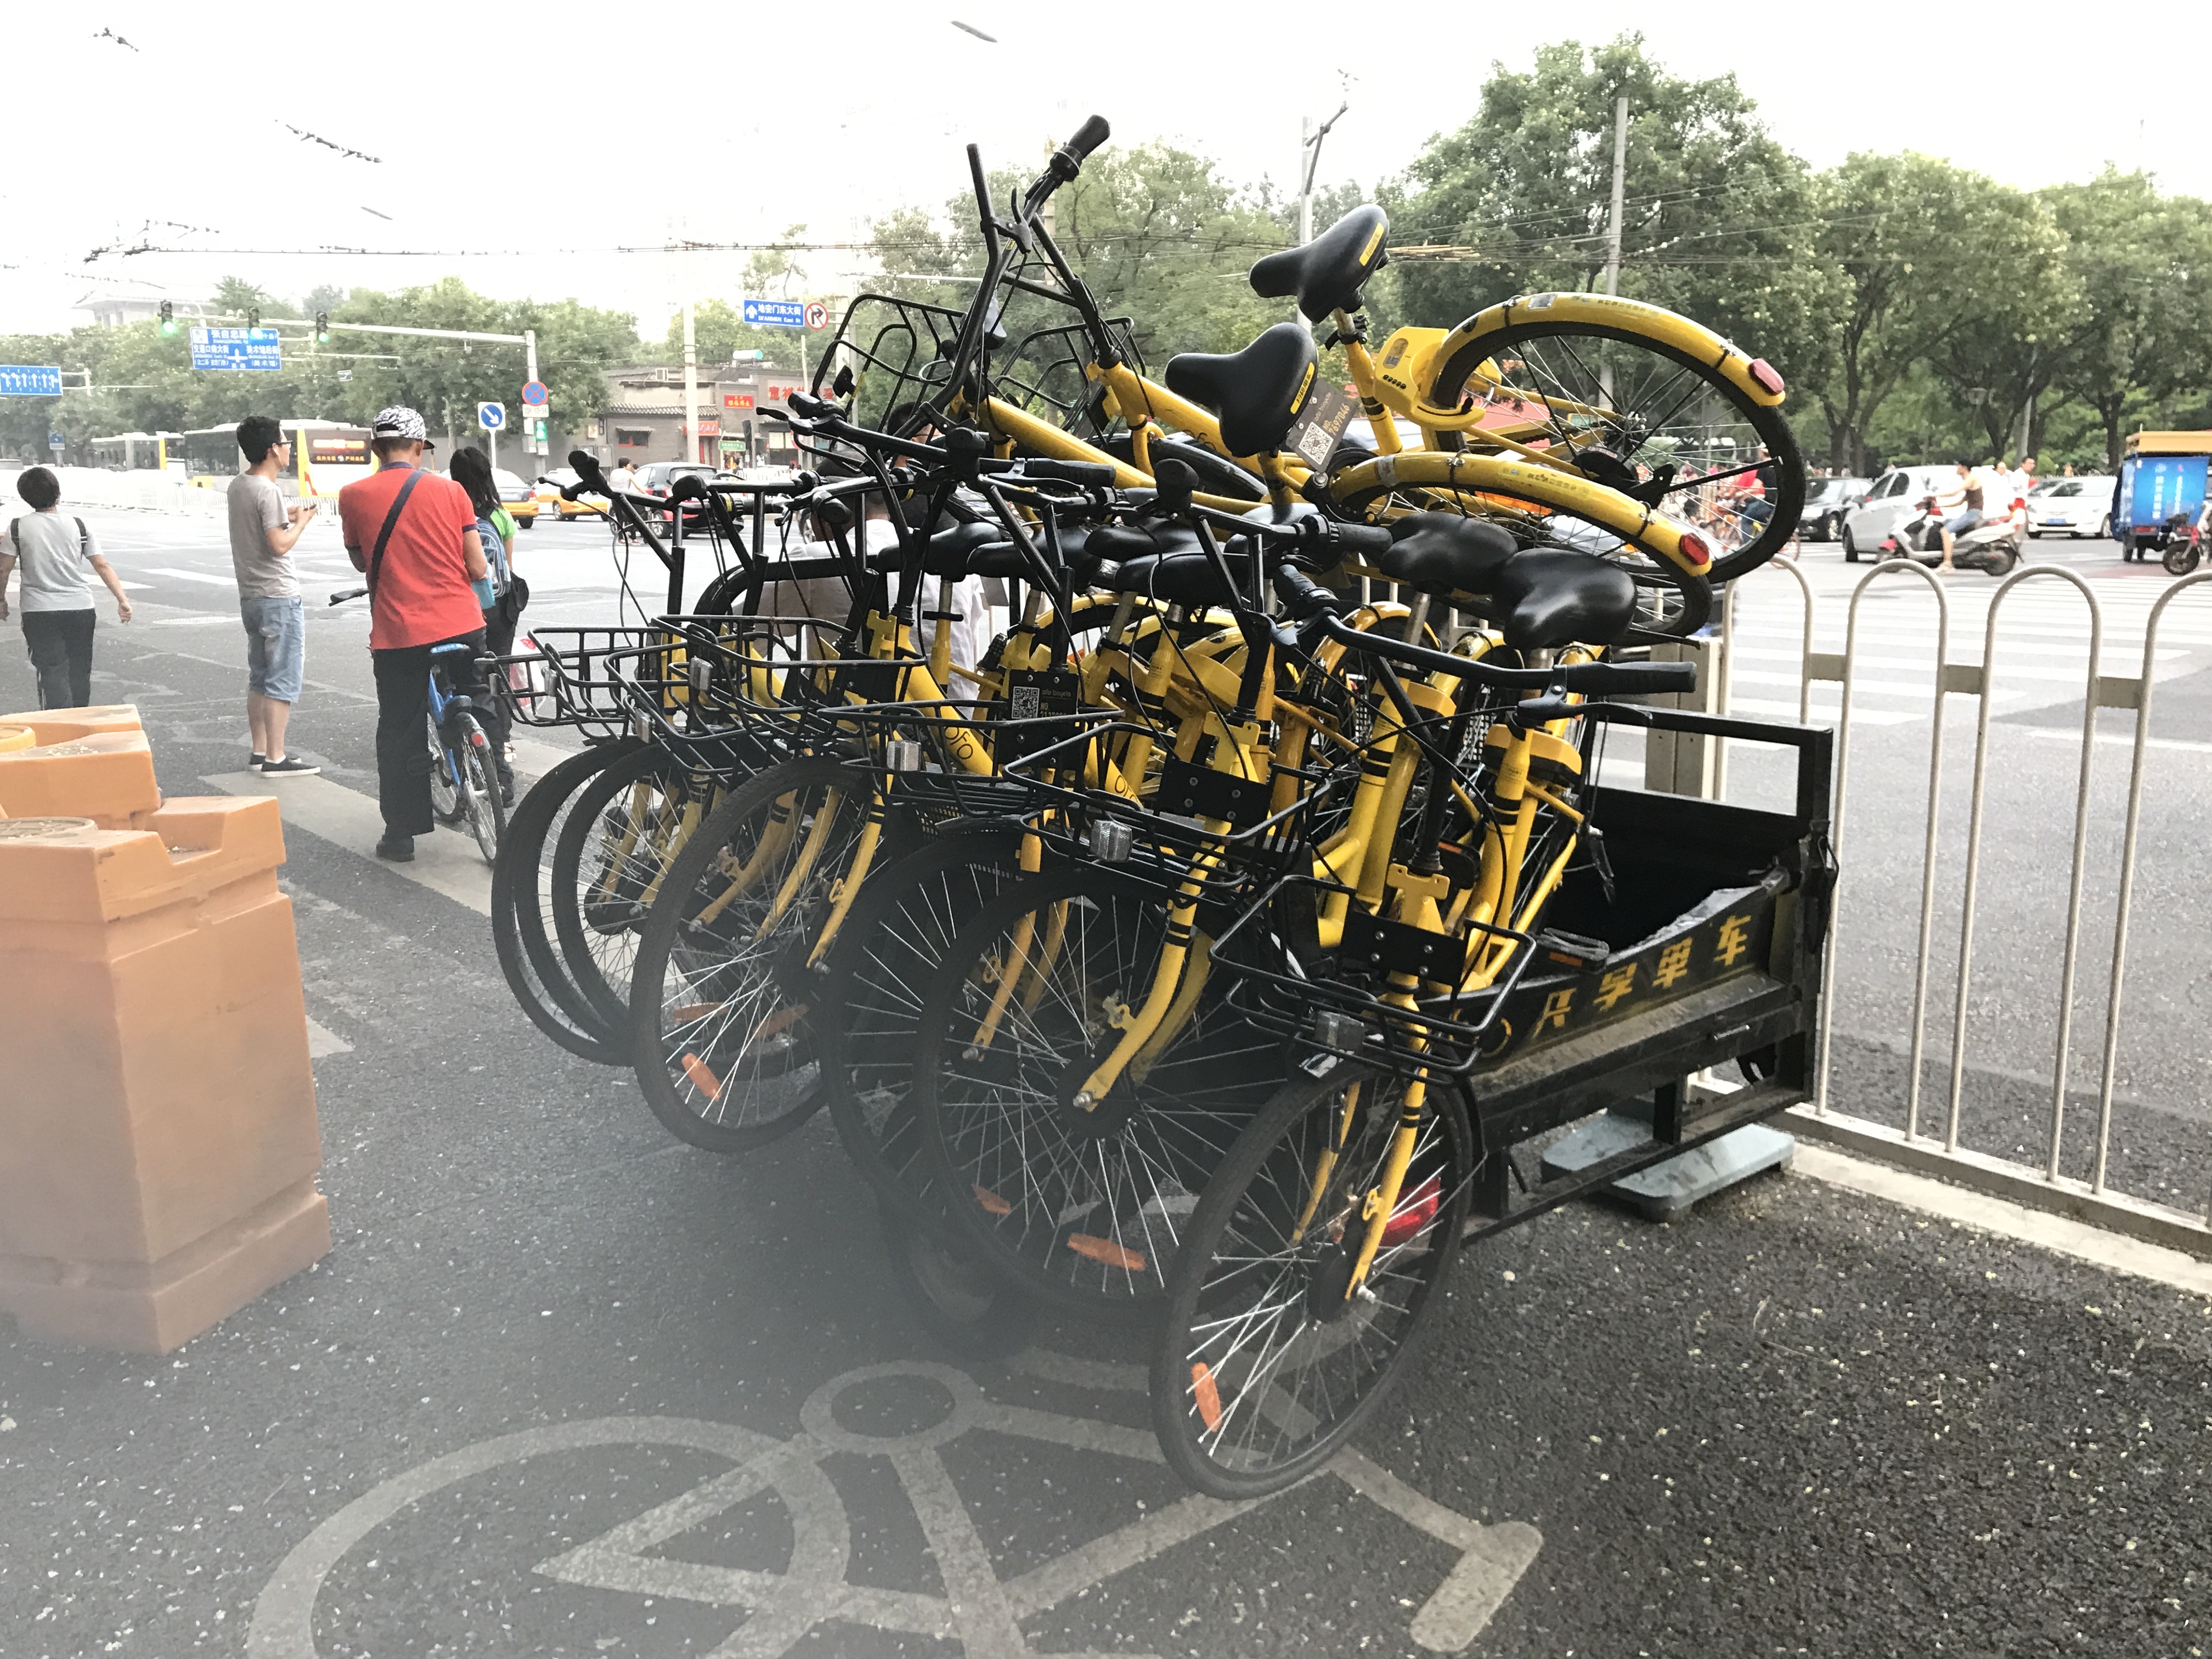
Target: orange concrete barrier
x,y
106,776
158,1136
67,725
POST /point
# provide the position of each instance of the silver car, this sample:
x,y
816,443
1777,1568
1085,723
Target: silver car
x,y
2071,506
1891,500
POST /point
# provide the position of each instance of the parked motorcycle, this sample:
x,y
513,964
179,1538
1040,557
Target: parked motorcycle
x,y
1994,547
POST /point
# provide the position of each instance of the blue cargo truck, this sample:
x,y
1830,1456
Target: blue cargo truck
x,y
2161,490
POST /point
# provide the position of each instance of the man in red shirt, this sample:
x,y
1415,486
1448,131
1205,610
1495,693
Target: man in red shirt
x,y
413,534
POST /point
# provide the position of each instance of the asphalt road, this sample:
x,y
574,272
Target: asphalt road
x,y
565,1387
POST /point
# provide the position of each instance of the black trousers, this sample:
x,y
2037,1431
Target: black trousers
x,y
61,652
403,715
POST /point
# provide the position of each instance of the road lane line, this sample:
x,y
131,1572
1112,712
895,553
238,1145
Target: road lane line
x,y
446,862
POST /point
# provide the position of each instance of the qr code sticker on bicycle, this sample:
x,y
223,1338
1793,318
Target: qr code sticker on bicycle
x,y
1025,702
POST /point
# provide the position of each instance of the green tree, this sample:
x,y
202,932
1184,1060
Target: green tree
x,y
2143,264
1719,221
2015,296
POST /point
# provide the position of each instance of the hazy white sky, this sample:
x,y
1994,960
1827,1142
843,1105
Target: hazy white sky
x,y
729,124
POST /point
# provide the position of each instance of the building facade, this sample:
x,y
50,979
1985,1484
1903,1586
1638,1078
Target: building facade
x,y
643,417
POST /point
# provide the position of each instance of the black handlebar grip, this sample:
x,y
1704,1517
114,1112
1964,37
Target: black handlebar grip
x,y
689,487
1174,483
1100,474
808,408
586,463
1301,594
1621,678
1361,538
1088,136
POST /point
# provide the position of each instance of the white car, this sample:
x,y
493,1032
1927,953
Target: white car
x,y
2071,506
1891,500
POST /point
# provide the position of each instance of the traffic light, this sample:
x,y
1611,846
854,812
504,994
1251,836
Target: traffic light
x,y
253,316
322,328
168,318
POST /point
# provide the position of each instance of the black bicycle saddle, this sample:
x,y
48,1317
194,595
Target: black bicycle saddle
x,y
1189,579
1328,273
1441,553
1257,392
1555,596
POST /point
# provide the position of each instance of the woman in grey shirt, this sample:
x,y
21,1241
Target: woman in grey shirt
x,y
55,552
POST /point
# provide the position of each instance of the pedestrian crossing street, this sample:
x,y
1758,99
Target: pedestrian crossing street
x,y
2042,650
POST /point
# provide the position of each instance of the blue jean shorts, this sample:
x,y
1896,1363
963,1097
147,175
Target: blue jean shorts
x,y
276,646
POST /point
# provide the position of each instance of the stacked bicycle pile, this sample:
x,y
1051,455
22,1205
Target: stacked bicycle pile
x,y
1195,956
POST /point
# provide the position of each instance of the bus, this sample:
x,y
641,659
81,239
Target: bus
x,y
326,455
140,451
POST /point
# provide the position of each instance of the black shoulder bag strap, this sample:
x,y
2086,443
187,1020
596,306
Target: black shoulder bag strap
x,y
376,558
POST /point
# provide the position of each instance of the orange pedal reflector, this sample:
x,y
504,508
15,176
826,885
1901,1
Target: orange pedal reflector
x,y
702,1076
991,1201
1415,1211
1105,1250
1208,1395
780,1021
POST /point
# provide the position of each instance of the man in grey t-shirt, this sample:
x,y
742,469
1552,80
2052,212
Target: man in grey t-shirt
x,y
263,530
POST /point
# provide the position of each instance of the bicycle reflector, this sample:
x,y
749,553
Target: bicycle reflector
x,y
1697,547
1415,1211
1764,374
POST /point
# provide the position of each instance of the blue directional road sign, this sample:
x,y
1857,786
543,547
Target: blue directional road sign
x,y
491,417
237,348
776,313
56,442
30,382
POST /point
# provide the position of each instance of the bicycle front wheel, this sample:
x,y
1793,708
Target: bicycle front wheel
x,y
721,991
1641,413
533,970
1265,1365
1083,1207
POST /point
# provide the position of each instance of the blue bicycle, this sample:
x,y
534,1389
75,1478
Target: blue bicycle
x,y
464,781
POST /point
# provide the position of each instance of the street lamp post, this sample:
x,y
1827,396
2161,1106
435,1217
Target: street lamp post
x,y
1310,137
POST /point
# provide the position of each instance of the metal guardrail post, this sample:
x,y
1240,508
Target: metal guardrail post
x,y
2128,880
2028,573
1843,671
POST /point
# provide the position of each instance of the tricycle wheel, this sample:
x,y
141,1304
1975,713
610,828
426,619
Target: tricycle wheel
x,y
1270,1359
2181,557
951,1296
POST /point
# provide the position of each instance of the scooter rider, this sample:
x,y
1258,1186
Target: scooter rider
x,y
1969,515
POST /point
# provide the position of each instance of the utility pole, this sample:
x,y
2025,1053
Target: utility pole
x,y
1619,175
690,377
1310,137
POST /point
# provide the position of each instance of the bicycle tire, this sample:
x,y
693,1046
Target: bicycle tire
x,y
521,855
534,910
720,994
964,1308
482,807
891,953
993,1123
1249,1271
1558,375
599,949
445,787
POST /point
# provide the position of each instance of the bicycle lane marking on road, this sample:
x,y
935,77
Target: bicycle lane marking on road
x,y
980,1610
445,862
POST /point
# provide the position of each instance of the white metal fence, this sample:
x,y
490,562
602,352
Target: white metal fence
x,y
1935,1136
